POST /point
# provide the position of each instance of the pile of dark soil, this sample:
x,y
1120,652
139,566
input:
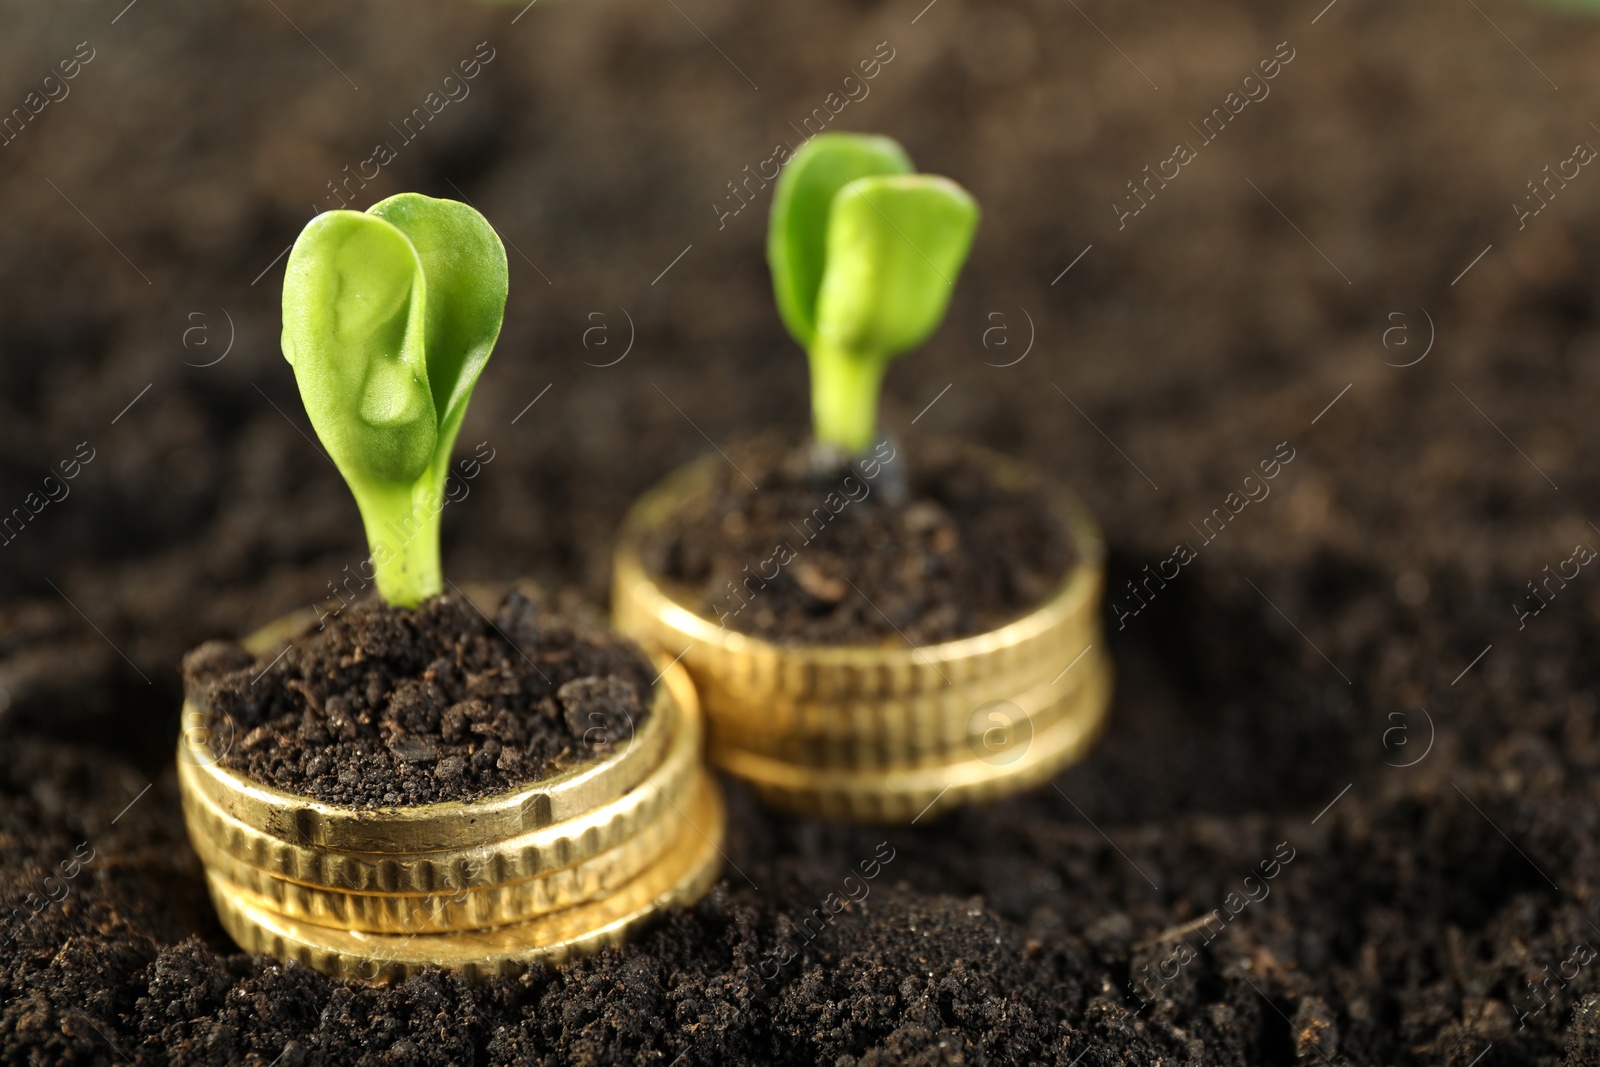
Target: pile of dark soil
x,y
386,707
1351,667
920,548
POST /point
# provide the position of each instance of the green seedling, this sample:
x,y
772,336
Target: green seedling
x,y
389,315
864,255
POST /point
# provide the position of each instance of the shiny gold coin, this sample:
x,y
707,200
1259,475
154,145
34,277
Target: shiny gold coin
x,y
756,667
920,720
859,731
465,909
524,856
807,688
679,878
915,794
431,827
909,733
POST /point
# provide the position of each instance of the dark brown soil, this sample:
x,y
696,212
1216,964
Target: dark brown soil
x,y
385,707
919,548
1436,914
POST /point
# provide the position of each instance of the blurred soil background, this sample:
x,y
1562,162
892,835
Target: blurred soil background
x,y
1353,666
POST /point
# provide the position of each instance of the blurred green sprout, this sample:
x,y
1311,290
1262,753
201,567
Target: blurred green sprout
x,y
864,255
389,315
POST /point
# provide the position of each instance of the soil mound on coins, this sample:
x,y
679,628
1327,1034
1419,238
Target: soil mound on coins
x,y
394,707
920,546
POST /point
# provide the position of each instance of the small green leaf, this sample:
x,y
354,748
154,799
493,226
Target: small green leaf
x,y
389,316
353,310
895,247
465,265
798,228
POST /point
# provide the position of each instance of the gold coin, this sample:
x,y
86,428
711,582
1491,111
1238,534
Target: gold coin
x,y
432,827
909,794
513,859
849,730
465,909
756,671
904,732
679,878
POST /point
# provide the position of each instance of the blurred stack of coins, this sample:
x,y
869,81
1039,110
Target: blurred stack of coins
x,y
884,734
543,873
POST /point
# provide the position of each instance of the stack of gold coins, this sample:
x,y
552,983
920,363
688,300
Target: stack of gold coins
x,y
884,733
541,873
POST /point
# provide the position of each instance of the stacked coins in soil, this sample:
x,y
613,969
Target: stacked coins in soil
x,y
885,734
542,873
